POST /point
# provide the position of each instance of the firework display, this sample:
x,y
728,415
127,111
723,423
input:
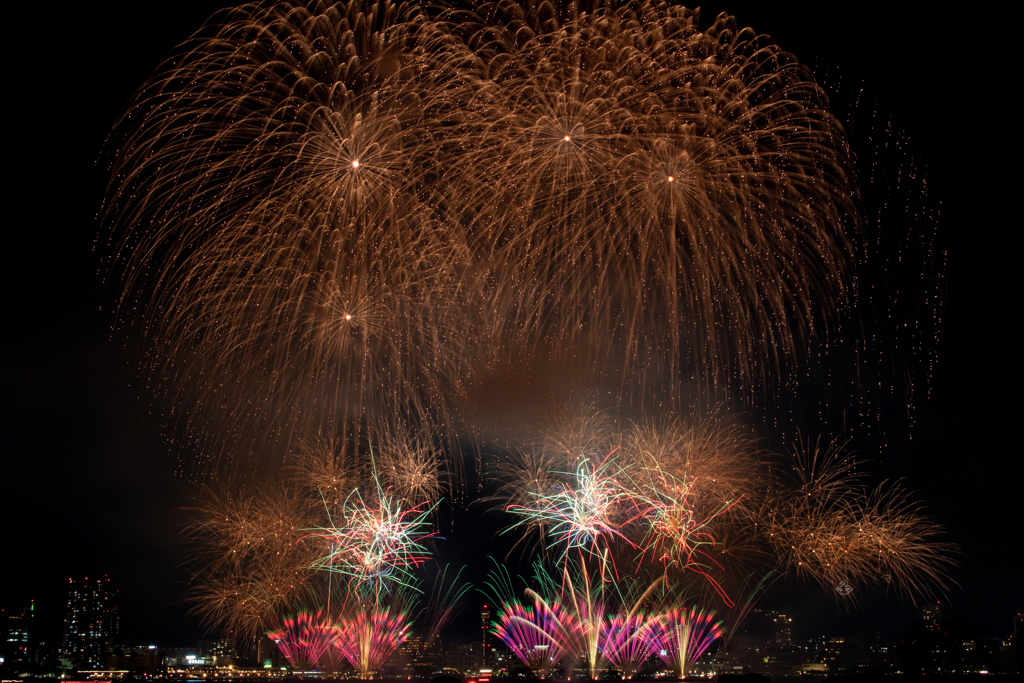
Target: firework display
x,y
593,621
375,543
657,492
253,566
830,526
582,514
357,206
691,500
626,642
367,640
343,219
305,639
326,575
681,636
531,636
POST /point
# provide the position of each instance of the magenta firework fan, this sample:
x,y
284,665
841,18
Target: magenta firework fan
x,y
305,638
626,642
681,636
594,621
531,635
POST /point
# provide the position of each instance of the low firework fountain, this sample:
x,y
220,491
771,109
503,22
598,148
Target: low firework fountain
x,y
367,640
681,636
306,639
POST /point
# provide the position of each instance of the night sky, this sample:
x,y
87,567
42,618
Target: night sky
x,y
89,484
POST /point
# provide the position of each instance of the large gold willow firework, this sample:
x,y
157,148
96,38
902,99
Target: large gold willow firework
x,y
351,210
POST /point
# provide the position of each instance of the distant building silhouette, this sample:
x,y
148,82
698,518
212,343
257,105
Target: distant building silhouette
x,y
783,630
419,654
90,621
16,630
485,654
932,616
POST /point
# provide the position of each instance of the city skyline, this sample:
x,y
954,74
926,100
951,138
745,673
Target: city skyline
x,y
763,642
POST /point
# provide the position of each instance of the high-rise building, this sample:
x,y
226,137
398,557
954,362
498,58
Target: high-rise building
x,y
223,651
16,630
1018,623
485,653
419,653
783,630
932,616
90,621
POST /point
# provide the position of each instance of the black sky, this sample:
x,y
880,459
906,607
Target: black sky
x,y
89,486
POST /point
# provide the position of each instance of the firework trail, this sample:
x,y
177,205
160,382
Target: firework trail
x,y
597,620
675,534
567,617
626,642
446,598
542,635
665,490
747,595
528,633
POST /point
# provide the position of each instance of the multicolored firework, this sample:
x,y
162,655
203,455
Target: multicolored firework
x,y
375,541
626,642
675,533
530,633
260,567
589,509
631,498
366,637
344,216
